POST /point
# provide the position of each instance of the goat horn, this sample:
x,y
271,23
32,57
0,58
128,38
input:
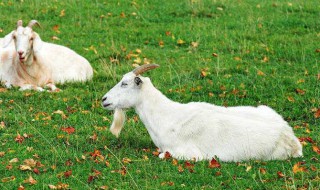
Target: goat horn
x,y
141,69
32,23
19,23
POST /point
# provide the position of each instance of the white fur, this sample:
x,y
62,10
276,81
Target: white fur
x,y
202,130
39,64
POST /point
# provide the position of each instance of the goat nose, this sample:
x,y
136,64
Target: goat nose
x,y
104,99
20,52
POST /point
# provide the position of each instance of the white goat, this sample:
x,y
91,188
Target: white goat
x,y
35,64
201,130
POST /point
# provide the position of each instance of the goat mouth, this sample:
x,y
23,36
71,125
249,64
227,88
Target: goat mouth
x,y
106,105
21,59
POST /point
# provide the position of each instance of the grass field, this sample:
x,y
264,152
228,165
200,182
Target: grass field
x,y
227,53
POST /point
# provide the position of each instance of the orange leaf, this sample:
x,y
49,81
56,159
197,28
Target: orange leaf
x,y
262,170
301,92
296,168
316,149
260,73
214,164
69,130
317,114
280,174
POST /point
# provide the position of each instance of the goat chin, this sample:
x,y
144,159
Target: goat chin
x,y
119,118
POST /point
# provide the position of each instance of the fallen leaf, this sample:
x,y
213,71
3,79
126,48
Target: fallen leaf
x,y
8,179
14,160
260,73
52,186
174,162
180,42
306,139
30,180
180,168
298,168
248,168
61,113
126,160
21,187
2,154
68,130
262,170
30,162
167,155
214,164
290,99
214,54
62,13
55,38
316,149
24,167
317,114
301,92
36,171
155,153
19,139
56,28
67,174
280,174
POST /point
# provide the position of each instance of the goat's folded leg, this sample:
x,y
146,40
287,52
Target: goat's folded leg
x,y
30,87
52,87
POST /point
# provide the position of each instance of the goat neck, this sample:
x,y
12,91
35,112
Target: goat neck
x,y
156,111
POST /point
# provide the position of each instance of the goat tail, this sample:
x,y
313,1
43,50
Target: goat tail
x,y
119,118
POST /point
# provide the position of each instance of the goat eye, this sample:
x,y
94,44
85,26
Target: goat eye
x,y
31,39
124,84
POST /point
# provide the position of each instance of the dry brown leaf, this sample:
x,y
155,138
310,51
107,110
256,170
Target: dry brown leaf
x,y
24,167
290,99
214,164
30,162
260,73
19,139
14,160
8,179
30,181
262,170
317,114
52,186
126,160
2,154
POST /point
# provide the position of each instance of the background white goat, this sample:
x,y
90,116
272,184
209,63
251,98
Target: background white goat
x,y
201,130
35,64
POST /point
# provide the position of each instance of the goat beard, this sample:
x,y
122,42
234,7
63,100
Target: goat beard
x,y
119,118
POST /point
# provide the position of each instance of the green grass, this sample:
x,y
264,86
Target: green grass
x,y
266,51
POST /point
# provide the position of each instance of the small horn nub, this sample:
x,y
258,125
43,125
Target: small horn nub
x,y
143,68
19,23
32,23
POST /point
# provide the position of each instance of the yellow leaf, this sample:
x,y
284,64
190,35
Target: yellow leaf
x,y
24,167
180,42
290,99
296,168
14,160
62,13
260,73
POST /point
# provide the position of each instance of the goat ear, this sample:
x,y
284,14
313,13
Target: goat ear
x,y
7,39
138,81
37,42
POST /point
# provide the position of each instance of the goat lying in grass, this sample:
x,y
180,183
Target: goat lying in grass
x,y
201,130
35,64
